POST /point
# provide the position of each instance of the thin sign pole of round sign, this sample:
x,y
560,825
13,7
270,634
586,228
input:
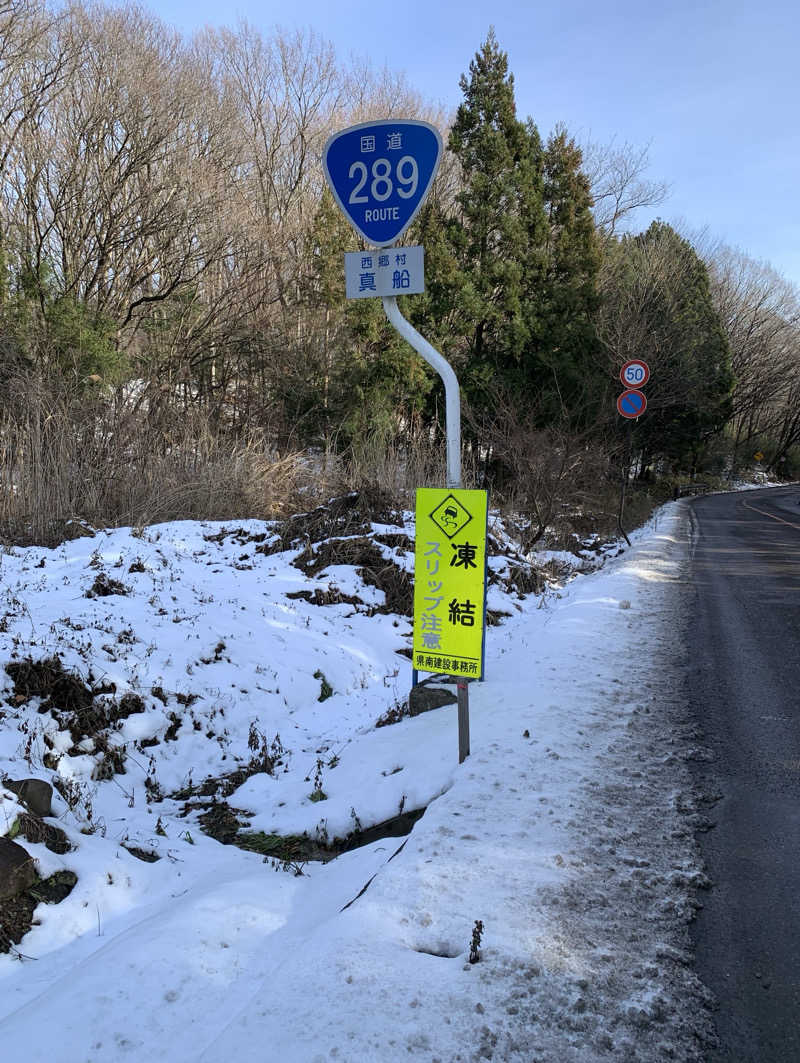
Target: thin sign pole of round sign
x,y
632,403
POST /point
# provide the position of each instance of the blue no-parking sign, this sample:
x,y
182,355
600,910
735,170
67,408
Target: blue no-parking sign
x,y
380,172
632,403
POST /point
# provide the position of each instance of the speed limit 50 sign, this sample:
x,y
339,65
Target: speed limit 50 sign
x,y
635,373
380,173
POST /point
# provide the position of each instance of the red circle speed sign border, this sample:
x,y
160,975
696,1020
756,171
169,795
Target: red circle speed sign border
x,y
638,383
640,395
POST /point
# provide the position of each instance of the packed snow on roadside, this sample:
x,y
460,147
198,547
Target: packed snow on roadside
x,y
258,682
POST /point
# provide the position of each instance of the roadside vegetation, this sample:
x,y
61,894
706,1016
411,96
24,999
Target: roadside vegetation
x,y
174,337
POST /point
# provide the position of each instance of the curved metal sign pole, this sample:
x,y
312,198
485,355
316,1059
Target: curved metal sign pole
x,y
445,371
453,431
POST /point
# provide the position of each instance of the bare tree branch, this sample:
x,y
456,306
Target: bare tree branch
x,y
619,186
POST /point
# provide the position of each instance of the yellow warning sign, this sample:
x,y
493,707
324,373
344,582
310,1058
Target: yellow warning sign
x,y
450,581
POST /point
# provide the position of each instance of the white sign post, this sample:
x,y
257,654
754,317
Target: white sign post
x,y
379,174
452,401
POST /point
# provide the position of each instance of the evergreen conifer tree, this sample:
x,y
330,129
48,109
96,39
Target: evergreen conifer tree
x,y
521,278
497,231
566,341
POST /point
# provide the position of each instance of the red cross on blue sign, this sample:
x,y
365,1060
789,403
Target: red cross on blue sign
x,y
632,403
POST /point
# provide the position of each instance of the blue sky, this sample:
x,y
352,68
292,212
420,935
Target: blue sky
x,y
712,85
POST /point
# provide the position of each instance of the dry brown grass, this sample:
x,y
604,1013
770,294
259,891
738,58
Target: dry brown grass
x,y
66,459
401,464
69,459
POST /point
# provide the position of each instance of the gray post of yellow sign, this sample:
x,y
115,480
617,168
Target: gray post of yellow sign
x,y
450,581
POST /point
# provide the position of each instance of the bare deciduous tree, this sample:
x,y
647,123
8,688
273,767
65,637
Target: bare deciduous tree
x,y
34,69
760,313
617,177
542,468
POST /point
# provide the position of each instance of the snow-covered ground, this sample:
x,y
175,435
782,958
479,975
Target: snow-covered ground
x,y
568,832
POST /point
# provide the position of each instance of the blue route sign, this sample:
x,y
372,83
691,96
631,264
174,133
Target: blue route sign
x,y
380,172
632,403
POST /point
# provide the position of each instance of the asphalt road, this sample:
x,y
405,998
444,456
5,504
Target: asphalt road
x,y
743,653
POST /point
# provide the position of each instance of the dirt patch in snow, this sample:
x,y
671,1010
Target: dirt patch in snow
x,y
229,826
68,698
332,596
300,848
34,829
220,821
104,586
18,914
86,712
373,568
351,514
47,679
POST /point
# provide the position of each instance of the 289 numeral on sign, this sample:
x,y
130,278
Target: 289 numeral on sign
x,y
381,187
379,174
